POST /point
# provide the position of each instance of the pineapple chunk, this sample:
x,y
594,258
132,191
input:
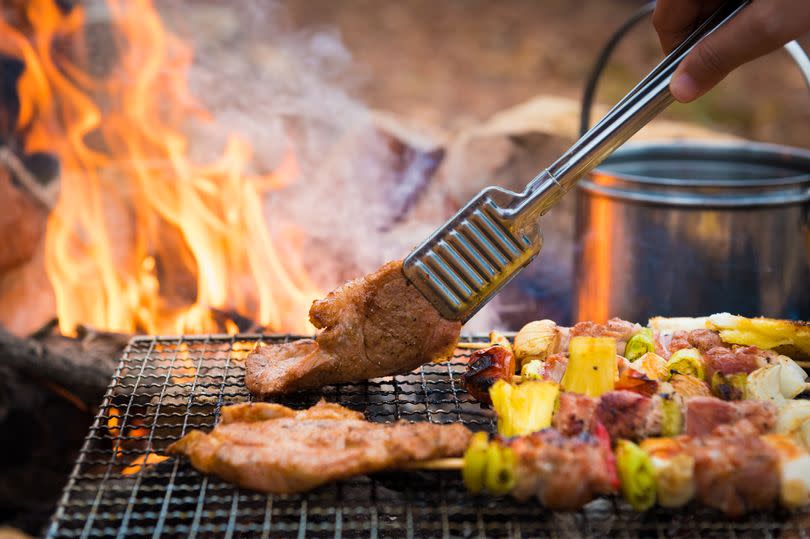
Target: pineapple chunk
x,y
765,333
592,368
525,408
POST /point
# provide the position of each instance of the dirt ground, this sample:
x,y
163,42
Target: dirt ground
x,y
452,63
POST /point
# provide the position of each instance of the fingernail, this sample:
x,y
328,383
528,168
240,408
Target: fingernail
x,y
684,88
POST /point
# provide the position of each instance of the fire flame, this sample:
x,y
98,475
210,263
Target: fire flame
x,y
142,238
143,460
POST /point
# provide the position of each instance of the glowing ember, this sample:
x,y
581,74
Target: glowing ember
x,y
142,460
142,238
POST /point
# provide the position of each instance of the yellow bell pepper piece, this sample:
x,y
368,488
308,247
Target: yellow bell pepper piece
x,y
525,408
591,366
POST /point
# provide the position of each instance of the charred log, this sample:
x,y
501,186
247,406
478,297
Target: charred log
x,y
50,386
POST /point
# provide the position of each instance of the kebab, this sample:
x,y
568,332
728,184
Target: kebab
x,y
274,449
696,363
640,407
734,470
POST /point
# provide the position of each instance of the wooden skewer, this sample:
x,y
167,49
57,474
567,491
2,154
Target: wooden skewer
x,y
435,464
803,364
473,345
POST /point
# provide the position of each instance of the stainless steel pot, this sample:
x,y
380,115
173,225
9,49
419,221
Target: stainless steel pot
x,y
688,229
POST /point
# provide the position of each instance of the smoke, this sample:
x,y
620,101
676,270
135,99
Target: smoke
x,y
285,88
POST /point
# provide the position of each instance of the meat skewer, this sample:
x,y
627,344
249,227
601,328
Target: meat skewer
x,y
698,363
734,470
272,448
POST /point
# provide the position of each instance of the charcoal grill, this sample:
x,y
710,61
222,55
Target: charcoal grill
x,y
163,387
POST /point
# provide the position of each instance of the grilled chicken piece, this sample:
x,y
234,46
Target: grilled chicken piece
x,y
272,448
628,415
378,325
575,414
740,359
702,339
564,473
735,470
704,414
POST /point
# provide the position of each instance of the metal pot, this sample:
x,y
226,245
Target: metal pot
x,y
689,229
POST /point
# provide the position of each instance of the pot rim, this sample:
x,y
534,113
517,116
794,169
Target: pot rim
x,y
753,152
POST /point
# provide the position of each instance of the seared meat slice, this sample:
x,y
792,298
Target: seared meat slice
x,y
564,473
271,448
735,470
575,414
704,414
378,325
616,328
629,415
702,339
740,359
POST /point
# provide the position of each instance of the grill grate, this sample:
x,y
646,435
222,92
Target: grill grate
x,y
163,387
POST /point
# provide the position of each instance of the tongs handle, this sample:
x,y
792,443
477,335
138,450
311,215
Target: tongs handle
x,y
628,116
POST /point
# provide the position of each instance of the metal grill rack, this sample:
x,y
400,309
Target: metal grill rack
x,y
163,387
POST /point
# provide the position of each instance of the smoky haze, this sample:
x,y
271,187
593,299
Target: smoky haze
x,y
284,89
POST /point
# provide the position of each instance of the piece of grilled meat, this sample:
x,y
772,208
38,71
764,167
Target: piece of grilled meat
x,y
272,448
562,472
378,325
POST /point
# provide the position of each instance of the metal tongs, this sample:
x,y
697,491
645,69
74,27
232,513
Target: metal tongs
x,y
463,264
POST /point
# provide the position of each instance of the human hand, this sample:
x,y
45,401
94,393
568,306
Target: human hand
x,y
761,27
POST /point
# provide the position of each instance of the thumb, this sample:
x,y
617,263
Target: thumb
x,y
756,30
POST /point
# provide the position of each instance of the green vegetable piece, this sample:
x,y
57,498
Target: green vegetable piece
x,y
500,474
475,462
636,474
639,344
687,361
729,387
672,416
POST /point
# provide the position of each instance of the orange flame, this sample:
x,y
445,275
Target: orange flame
x,y
593,300
143,238
143,460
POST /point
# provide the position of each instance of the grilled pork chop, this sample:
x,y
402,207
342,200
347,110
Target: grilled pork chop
x,y
378,325
272,448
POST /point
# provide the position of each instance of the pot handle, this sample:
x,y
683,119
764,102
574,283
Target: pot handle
x,y
793,48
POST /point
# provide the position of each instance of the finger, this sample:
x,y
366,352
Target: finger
x,y
758,29
674,19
